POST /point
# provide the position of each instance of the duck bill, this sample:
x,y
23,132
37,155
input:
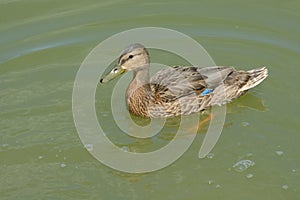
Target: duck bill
x,y
115,72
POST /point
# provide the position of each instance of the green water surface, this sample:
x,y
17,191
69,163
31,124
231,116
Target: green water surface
x,y
42,44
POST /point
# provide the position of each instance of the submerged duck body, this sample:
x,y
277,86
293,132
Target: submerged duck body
x,y
179,90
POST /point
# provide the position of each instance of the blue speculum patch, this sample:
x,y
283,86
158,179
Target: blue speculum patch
x,y
206,91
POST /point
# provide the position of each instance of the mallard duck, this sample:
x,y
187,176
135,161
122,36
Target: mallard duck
x,y
179,90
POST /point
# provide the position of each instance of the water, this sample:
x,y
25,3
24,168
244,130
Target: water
x,y
42,45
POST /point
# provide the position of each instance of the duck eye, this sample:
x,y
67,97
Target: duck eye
x,y
130,56
115,70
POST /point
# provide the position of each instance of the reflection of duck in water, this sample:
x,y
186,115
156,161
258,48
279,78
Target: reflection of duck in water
x,y
248,101
179,90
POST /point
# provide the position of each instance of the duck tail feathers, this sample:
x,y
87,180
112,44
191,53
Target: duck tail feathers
x,y
256,77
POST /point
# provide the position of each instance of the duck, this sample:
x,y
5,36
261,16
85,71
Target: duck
x,y
179,90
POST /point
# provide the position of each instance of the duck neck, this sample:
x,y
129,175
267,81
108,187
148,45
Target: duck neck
x,y
141,76
139,91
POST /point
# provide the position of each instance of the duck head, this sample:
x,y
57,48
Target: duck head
x,y
134,58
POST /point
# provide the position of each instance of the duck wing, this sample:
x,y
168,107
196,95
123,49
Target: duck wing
x,y
176,82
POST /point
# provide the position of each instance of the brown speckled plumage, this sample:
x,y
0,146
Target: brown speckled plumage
x,y
181,90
